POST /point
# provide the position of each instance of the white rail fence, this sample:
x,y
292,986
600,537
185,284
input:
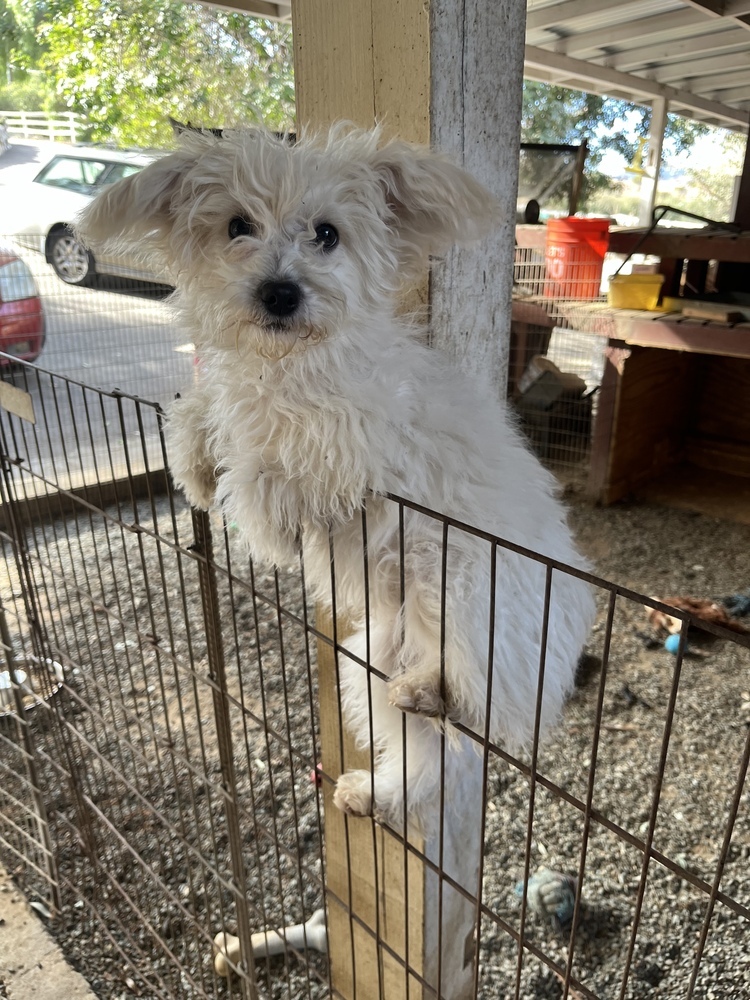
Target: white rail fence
x,y
66,125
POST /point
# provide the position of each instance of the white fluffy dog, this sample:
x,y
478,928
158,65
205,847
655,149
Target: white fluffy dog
x,y
315,399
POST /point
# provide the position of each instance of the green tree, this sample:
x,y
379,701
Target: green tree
x,y
559,115
708,190
11,39
19,48
130,64
23,87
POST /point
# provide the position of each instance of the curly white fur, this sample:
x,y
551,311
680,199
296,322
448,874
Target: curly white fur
x,y
301,421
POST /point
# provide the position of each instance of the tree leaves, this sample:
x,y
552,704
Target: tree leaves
x,y
130,64
558,115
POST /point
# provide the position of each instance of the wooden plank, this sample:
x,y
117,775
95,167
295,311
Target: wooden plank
x,y
366,870
401,68
604,423
639,328
714,312
475,116
367,63
653,401
687,244
333,62
354,64
719,455
686,335
722,407
742,207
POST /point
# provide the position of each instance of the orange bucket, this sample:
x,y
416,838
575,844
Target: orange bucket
x,y
574,255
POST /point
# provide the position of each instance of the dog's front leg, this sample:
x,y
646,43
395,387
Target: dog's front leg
x,y
405,749
394,792
190,460
419,693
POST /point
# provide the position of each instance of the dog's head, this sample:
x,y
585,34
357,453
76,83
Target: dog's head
x,y
274,243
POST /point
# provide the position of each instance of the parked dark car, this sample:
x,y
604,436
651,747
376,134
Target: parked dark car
x,y
21,314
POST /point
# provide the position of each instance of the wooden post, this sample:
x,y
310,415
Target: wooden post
x,y
731,276
451,75
742,203
374,889
650,180
476,58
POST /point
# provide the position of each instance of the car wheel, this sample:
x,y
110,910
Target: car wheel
x,y
70,259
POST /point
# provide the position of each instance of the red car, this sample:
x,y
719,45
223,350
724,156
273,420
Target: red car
x,y
21,316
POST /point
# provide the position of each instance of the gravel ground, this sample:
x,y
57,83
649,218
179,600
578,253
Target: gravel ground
x,y
660,552
146,843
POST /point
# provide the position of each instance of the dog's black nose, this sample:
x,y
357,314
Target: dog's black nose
x,y
281,298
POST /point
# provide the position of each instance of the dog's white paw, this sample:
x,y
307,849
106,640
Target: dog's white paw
x,y
199,489
416,694
353,793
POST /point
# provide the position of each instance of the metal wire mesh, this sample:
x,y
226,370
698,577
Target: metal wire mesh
x,y
114,332
555,370
178,783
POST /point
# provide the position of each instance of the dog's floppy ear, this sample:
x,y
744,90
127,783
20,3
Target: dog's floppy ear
x,y
435,203
137,208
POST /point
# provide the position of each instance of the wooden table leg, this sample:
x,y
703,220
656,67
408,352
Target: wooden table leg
x,y
615,356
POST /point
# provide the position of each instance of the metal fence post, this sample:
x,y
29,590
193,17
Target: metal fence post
x,y
203,549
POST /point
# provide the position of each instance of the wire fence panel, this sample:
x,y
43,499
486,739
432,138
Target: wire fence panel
x,y
170,753
114,332
108,332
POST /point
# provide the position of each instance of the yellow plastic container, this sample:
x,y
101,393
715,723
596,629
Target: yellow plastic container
x,y
634,291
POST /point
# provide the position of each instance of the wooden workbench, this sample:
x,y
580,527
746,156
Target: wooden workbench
x,y
673,419
673,414
685,257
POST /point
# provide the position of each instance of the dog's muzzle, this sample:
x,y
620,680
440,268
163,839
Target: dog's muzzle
x,y
280,298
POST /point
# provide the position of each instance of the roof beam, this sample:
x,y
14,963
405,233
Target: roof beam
x,y
664,52
567,10
721,81
256,8
647,29
697,69
605,80
722,8
738,95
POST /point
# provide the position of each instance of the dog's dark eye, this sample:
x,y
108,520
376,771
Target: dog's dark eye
x,y
326,236
240,226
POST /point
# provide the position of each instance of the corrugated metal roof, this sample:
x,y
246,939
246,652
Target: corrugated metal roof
x,y
694,53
